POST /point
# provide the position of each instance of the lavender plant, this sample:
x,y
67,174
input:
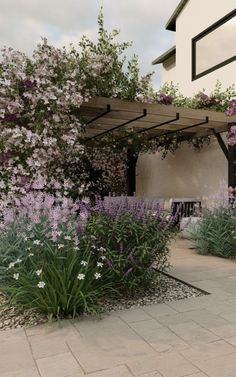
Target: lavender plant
x,y
216,230
130,236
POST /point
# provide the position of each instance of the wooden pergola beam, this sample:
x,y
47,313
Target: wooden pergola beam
x,y
111,115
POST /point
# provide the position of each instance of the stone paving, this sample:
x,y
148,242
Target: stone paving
x,y
195,337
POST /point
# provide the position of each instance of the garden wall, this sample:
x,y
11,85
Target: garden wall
x,y
185,174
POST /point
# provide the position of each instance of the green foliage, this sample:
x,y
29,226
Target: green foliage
x,y
217,100
120,78
216,233
129,248
67,266
58,279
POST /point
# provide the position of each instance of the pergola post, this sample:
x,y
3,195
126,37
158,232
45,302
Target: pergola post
x,y
131,172
232,165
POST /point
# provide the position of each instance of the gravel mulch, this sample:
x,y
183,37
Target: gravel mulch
x,y
167,289
12,317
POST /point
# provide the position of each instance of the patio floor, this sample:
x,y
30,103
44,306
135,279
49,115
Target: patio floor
x,y
193,337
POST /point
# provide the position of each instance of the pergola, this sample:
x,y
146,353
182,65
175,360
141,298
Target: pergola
x,y
109,115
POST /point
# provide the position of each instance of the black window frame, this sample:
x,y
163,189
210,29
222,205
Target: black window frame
x,y
207,31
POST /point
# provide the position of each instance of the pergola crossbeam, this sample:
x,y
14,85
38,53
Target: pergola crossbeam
x,y
151,128
180,129
119,126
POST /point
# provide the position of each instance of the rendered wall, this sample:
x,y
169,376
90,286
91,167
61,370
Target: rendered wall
x,y
189,173
169,70
186,174
196,17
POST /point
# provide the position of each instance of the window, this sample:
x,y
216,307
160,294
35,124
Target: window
x,y
214,47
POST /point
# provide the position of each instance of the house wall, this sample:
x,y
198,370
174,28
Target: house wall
x,y
188,173
194,18
169,70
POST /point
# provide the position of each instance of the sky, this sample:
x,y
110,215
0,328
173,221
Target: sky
x,y
24,22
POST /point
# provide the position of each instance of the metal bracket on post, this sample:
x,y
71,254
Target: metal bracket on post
x,y
108,110
231,164
221,143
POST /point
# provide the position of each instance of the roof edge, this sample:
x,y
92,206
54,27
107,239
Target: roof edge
x,y
162,58
171,23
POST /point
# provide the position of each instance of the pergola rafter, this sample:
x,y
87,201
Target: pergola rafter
x,y
124,119
104,115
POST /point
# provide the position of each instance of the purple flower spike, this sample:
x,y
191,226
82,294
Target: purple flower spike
x,y
128,271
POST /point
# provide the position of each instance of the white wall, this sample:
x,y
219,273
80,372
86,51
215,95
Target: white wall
x,y
194,18
188,173
169,70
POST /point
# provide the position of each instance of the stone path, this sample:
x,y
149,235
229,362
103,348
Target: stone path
x,y
195,337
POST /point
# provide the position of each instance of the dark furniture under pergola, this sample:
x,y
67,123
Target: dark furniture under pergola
x,y
109,115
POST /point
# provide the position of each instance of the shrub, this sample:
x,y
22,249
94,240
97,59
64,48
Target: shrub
x,y
216,232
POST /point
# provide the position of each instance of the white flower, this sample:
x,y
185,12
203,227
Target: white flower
x,y
31,254
38,272
100,264
16,276
18,260
83,263
76,248
60,245
36,242
103,257
81,276
41,284
12,264
97,275
102,249
67,238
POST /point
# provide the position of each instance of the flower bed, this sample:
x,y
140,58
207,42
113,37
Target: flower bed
x,y
63,258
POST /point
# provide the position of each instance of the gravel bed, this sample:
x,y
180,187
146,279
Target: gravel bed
x,y
167,289
11,317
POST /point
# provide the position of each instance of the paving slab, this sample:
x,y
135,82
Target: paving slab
x,y
107,343
133,315
152,374
159,337
191,332
120,371
194,337
15,353
222,366
60,365
29,372
208,351
170,364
